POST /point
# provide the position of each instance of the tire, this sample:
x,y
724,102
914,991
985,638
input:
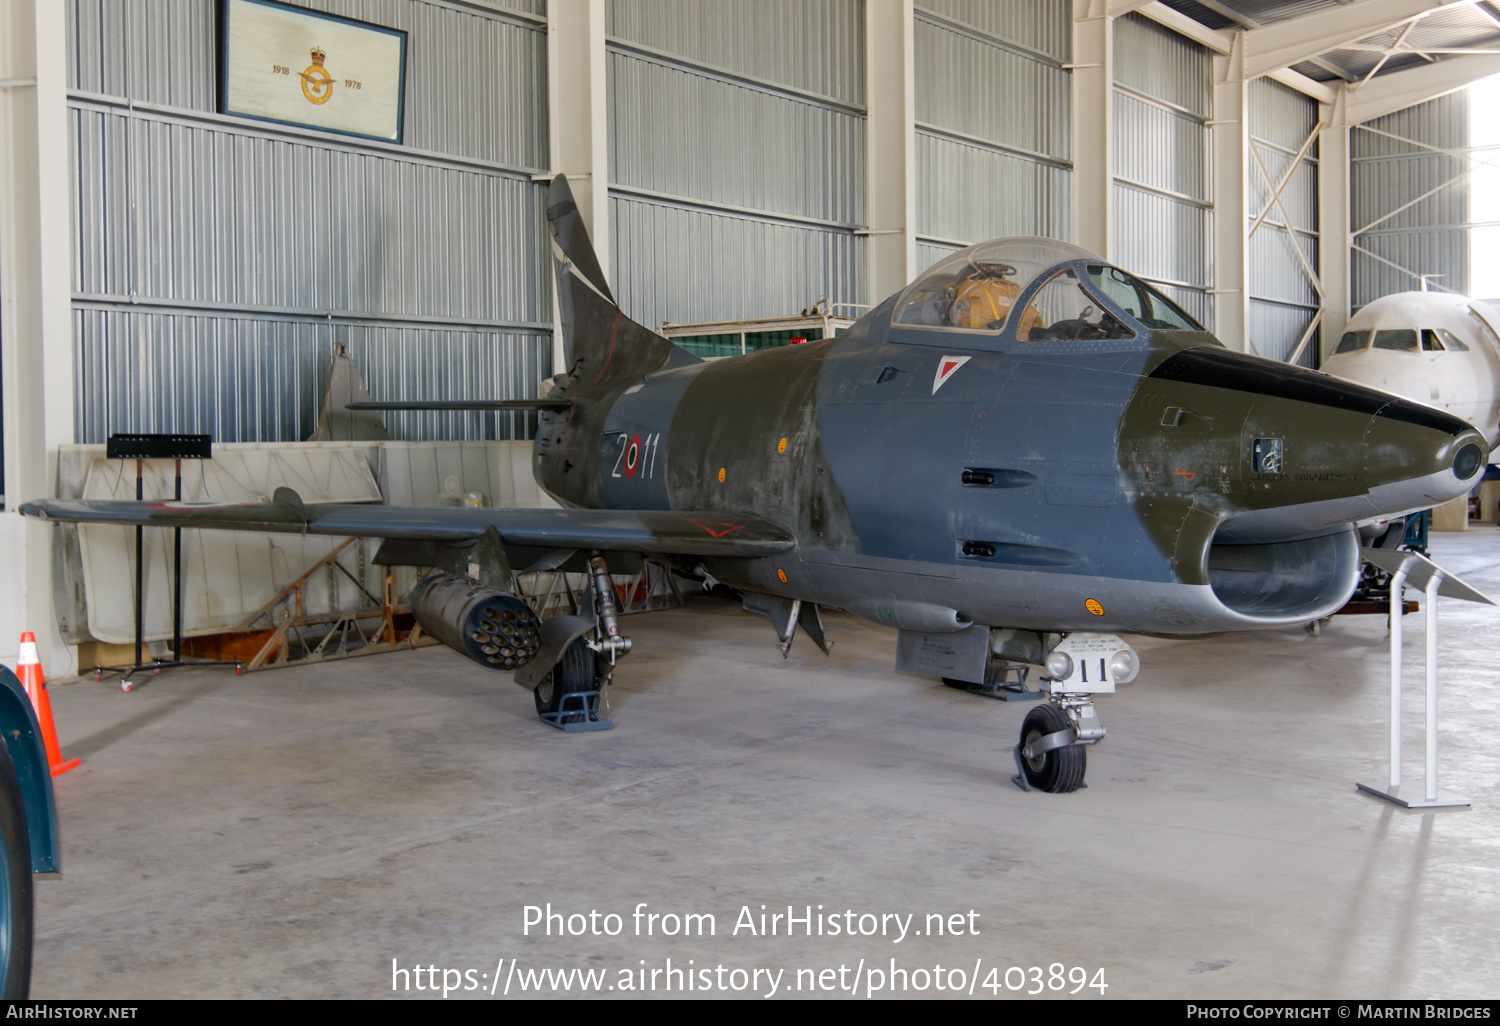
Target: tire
x,y
573,673
1060,770
15,885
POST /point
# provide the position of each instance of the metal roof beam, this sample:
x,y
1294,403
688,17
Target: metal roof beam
x,y
1219,42
1296,39
1401,89
1320,91
1121,7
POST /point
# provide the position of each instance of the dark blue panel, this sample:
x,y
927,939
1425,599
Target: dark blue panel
x,y
899,468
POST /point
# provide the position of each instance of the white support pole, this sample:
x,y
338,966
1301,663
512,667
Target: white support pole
x,y
1093,125
36,317
1398,604
1422,573
1334,240
890,146
1432,661
1231,189
578,123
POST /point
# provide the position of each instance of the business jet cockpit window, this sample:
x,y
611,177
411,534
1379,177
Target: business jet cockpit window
x,y
1401,340
1353,342
1439,339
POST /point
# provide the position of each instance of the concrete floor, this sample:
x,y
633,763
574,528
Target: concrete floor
x,y
290,833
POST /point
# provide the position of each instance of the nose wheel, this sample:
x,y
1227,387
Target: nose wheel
x,y
1052,755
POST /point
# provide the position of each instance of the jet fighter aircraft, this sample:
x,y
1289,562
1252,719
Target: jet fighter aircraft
x,y
1022,454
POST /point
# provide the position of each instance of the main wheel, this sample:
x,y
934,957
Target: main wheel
x,y
573,673
15,885
1060,770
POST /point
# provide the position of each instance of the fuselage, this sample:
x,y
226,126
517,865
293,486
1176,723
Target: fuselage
x,y
1154,483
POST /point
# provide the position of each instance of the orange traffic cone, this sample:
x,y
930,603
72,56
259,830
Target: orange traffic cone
x,y
29,669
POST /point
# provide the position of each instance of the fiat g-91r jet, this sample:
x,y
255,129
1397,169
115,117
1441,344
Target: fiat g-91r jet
x,y
1020,456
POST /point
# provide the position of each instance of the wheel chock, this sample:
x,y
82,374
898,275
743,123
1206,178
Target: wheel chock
x,y
1020,778
578,711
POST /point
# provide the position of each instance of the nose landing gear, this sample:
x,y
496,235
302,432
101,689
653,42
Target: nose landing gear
x,y
1052,755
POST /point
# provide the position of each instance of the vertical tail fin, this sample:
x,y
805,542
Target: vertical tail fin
x,y
601,343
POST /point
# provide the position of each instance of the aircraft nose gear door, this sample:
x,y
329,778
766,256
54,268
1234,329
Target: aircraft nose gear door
x,y
1052,754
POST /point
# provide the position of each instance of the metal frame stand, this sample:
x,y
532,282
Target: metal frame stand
x,y
141,448
1423,573
584,704
1007,690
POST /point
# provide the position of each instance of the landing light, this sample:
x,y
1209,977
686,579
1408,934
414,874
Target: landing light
x,y
1124,666
1059,665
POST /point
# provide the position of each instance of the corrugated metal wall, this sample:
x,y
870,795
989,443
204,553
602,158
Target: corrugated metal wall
x,y
427,259
737,156
1162,196
994,117
1398,234
1283,298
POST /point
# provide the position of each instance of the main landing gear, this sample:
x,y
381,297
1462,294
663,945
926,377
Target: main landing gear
x,y
585,648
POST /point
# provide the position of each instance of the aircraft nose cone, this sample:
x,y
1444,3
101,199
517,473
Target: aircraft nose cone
x,y
1416,456
1312,451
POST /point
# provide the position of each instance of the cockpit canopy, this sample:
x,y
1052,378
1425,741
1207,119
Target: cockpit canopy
x,y
978,288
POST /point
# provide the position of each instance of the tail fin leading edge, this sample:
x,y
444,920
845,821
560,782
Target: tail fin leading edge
x,y
601,343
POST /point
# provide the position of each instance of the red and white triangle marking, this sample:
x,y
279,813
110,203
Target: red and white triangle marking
x,y
945,369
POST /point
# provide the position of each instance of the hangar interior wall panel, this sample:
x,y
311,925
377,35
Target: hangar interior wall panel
x,y
993,123
736,156
1409,207
1283,298
1162,195
217,259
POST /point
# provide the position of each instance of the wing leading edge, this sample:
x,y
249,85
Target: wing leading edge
x,y
691,533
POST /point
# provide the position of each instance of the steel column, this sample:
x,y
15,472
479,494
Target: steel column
x,y
1334,252
578,123
1093,125
1231,189
36,361
890,134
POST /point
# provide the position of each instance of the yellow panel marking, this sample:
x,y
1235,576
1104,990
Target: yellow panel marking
x,y
781,445
782,575
1094,607
721,475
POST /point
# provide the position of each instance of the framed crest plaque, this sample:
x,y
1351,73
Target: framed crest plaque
x,y
294,66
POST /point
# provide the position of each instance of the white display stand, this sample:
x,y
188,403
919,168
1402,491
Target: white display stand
x,y
1420,572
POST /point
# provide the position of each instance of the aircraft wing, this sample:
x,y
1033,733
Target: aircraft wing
x,y
706,533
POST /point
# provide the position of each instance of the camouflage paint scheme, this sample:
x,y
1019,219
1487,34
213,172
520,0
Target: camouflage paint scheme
x,y
1049,485
1097,492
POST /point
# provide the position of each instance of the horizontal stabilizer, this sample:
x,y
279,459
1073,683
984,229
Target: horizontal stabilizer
x,y
693,533
467,404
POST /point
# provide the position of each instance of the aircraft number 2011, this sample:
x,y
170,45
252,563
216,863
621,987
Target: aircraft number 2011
x,y
637,455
